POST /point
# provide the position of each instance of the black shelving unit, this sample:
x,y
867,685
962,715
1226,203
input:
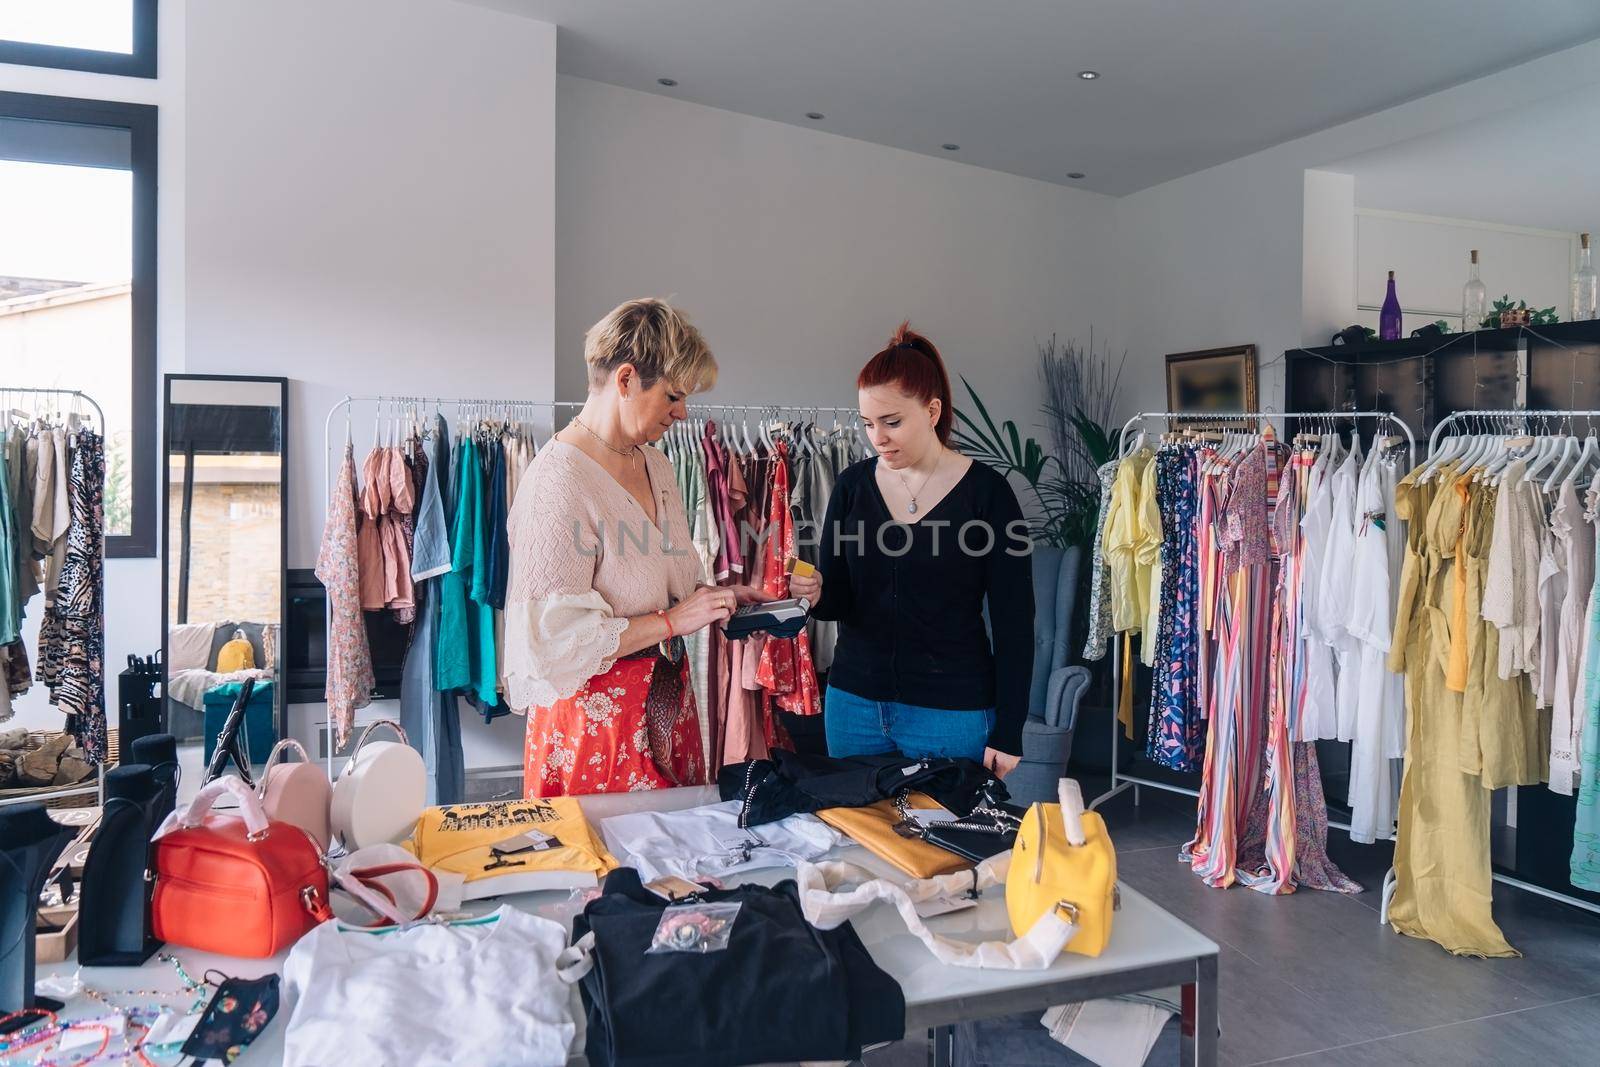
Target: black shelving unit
x,y
1422,380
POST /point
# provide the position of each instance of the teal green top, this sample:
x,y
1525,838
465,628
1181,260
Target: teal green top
x,y
10,610
452,658
1586,829
469,567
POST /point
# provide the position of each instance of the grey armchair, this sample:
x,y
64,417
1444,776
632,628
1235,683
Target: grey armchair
x,y
1057,686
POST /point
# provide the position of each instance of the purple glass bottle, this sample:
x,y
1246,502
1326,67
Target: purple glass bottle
x,y
1389,317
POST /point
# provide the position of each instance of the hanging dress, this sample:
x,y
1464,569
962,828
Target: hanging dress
x,y
1176,736
350,681
1442,871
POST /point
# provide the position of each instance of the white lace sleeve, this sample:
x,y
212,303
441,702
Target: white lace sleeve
x,y
555,644
560,632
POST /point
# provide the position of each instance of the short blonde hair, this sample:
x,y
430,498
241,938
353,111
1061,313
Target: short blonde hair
x,y
657,339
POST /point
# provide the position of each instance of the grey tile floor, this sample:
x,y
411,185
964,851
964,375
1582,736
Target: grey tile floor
x,y
1313,979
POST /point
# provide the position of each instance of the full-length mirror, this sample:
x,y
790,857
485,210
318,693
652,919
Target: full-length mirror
x,y
223,545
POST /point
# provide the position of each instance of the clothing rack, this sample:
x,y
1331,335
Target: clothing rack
x,y
99,788
1119,781
465,406
1453,419
1456,417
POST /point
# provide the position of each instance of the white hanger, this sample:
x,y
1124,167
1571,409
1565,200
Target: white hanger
x,y
1569,453
1586,456
1447,450
1546,447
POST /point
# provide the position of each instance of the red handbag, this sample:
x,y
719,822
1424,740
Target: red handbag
x,y
235,884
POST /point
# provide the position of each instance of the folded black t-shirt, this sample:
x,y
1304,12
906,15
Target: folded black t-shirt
x,y
782,990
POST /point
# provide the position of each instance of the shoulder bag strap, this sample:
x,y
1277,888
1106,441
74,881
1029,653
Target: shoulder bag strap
x,y
827,904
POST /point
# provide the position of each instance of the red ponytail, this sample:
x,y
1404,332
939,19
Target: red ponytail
x,y
913,366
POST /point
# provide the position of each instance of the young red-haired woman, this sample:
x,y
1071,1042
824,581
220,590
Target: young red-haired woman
x,y
914,543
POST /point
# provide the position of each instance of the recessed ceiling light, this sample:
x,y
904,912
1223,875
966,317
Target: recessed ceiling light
x,y
668,82
1075,175
952,148
1088,75
815,116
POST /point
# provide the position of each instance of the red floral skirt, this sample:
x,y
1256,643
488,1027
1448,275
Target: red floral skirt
x,y
597,740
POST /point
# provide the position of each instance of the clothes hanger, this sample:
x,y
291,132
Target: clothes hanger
x,y
1587,455
1450,449
1569,453
1546,447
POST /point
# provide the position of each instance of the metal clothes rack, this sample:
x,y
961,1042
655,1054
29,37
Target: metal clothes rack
x,y
1120,781
466,406
1519,415
99,788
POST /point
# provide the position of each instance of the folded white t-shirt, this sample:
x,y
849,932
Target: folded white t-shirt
x,y
482,992
709,841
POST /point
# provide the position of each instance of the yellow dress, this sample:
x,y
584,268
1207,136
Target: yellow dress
x,y
1128,545
1441,856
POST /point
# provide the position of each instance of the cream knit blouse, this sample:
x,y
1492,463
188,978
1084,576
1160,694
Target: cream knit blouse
x,y
585,558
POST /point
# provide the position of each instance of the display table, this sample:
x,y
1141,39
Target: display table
x,y
1150,949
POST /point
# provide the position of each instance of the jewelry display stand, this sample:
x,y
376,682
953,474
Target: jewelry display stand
x,y
30,841
159,752
114,901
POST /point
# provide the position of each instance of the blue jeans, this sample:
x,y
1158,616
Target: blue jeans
x,y
857,726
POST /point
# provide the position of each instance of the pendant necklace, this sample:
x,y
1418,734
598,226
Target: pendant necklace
x,y
912,508
631,453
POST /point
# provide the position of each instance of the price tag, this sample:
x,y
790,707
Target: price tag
x,y
943,905
674,888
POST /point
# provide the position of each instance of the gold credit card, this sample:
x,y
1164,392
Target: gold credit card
x,y
799,568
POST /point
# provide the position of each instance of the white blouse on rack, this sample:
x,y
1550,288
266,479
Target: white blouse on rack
x,y
584,559
1575,537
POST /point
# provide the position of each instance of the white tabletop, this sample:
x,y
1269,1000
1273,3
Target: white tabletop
x,y
1143,936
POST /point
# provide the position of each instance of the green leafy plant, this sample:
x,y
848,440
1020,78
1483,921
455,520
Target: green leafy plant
x,y
1537,317
1080,390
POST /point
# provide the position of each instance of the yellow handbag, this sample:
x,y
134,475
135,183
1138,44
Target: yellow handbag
x,y
1064,859
873,827
236,655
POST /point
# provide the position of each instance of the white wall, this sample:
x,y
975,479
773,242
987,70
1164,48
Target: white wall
x,y
1536,166
370,209
1328,274
1431,257
1215,258
133,586
798,252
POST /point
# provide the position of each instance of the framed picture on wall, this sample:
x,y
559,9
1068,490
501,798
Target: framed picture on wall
x,y
1217,379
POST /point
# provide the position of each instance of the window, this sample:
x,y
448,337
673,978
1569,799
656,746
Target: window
x,y
103,36
78,280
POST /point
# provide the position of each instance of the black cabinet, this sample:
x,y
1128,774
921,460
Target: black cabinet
x,y
1424,379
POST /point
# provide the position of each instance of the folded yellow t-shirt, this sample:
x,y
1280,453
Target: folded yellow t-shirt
x,y
460,838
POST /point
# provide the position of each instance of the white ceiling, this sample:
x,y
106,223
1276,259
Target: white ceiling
x,y
1186,84
1536,166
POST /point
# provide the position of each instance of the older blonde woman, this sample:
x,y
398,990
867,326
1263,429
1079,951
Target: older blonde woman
x,y
604,580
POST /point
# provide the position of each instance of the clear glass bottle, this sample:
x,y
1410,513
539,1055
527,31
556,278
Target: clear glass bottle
x,y
1474,299
1585,284
1389,317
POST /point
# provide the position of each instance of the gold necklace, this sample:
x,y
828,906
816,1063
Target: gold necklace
x,y
631,453
912,509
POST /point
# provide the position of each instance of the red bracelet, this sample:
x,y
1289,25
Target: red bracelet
x,y
668,620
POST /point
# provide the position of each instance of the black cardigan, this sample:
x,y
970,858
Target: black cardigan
x,y
910,617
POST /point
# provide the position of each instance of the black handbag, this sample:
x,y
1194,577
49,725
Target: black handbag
x,y
989,830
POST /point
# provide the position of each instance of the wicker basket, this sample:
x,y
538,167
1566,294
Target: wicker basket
x,y
59,796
